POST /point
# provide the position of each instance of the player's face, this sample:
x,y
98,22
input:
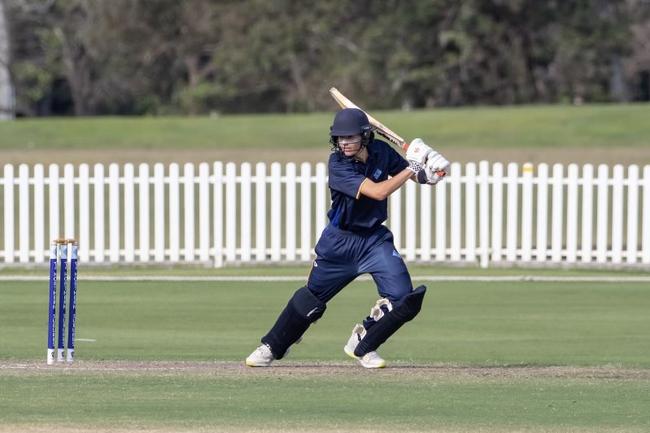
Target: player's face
x,y
350,144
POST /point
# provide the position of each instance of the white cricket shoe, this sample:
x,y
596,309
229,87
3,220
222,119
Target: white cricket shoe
x,y
261,357
370,359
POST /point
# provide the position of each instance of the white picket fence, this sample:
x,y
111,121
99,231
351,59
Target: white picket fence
x,y
224,213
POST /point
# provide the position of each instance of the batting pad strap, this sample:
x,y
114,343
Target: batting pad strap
x,y
302,310
403,311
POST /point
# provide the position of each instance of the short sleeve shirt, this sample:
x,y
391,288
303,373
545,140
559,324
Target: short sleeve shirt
x,y
351,210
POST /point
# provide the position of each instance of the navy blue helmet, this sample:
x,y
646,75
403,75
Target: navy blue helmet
x,y
350,121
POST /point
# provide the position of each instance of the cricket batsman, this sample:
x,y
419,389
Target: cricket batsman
x,y
363,172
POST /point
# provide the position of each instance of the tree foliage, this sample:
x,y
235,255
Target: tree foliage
x,y
89,57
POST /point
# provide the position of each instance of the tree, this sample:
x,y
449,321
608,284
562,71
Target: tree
x,y
637,65
90,57
7,109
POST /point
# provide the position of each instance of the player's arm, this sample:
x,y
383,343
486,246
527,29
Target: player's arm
x,y
416,155
381,190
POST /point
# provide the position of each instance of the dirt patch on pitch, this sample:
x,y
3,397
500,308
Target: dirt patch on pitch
x,y
311,369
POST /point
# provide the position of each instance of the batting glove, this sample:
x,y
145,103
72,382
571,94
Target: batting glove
x,y
418,151
436,167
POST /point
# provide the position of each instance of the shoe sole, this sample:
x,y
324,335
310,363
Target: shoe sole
x,y
382,365
353,356
252,364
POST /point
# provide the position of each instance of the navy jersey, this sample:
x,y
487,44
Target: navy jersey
x,y
351,210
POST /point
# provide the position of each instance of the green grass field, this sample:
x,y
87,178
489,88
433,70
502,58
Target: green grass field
x,y
508,127
595,134
496,356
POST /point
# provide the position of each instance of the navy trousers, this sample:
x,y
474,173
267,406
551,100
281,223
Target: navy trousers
x,y
341,256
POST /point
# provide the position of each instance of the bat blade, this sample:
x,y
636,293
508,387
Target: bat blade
x,y
379,127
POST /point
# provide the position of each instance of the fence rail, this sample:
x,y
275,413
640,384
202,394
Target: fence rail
x,y
224,213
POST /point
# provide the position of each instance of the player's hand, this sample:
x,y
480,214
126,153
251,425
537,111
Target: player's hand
x,y
436,167
418,151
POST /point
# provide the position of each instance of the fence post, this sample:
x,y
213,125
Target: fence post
x,y
305,211
557,213
632,213
23,213
290,210
114,212
484,213
204,212
144,217
39,213
572,214
527,212
425,221
68,197
542,213
645,242
587,212
84,213
231,212
159,212
617,215
9,226
260,212
98,212
188,212
245,212
441,220
276,211
174,209
602,214
129,213
470,212
456,216
217,213
53,208
497,211
512,211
